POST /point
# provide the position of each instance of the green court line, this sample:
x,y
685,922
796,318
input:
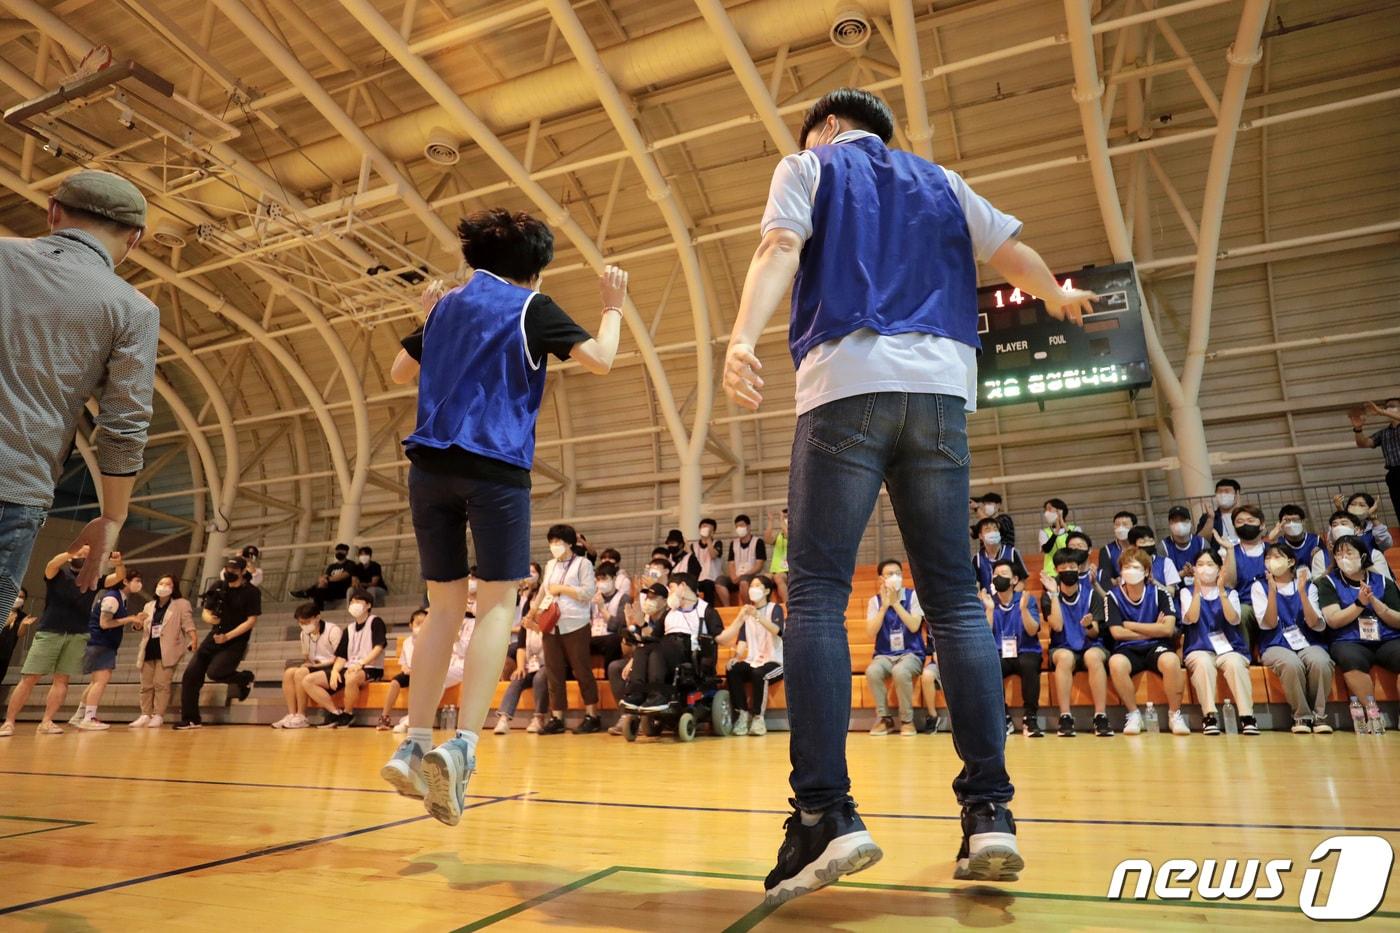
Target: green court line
x,y
536,901
50,825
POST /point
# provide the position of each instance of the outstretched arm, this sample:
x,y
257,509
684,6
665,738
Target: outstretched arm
x,y
1022,267
596,354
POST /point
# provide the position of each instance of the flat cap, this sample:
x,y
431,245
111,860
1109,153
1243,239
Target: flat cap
x,y
104,194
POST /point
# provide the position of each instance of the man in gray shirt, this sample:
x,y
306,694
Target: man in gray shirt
x,y
70,327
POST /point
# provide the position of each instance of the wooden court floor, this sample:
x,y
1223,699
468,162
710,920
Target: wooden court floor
x,y
245,828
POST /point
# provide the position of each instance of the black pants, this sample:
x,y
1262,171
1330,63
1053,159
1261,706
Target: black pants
x,y
1392,482
743,678
218,663
654,665
562,652
609,646
1028,666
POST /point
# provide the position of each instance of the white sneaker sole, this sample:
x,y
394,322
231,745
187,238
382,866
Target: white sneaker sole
x,y
844,855
997,859
446,787
403,780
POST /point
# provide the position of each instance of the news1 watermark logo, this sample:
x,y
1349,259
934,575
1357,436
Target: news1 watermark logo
x,y
1360,875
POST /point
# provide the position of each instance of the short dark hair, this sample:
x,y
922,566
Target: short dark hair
x,y
742,518
605,569
853,105
989,497
1251,510
1341,513
1178,511
1058,504
1292,510
766,581
174,585
1364,496
1138,532
416,613
888,561
610,554
366,549
513,246
306,611
709,521
685,579
1009,565
988,521
1230,483
660,553
1355,543
1128,515
675,534
360,594
341,547
1088,541
1069,555
563,533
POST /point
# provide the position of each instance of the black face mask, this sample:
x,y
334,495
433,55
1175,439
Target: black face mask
x,y
341,555
1148,549
229,576
1248,532
1001,584
1069,578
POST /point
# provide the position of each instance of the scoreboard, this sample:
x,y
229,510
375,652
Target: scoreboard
x,y
1028,356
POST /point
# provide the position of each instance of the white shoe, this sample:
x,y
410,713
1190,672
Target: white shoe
x,y
502,725
93,725
6,730
1178,723
758,726
534,727
282,723
741,725
401,726
155,722
48,728
139,722
297,721
1133,724
77,719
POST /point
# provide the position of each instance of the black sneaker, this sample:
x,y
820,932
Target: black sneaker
x,y
553,726
930,725
330,721
299,594
1101,727
245,684
1030,727
655,703
185,725
1210,725
1248,726
345,720
1010,729
812,857
988,851
1066,730
589,725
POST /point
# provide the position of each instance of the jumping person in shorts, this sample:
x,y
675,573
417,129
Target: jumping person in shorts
x,y
483,352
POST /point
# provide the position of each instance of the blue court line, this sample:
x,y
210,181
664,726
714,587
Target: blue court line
x,y
160,780
234,859
926,816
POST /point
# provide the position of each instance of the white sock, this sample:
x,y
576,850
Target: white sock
x,y
423,738
466,735
89,712
811,819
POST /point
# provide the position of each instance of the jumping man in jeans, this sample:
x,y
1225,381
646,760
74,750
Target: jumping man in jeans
x,y
883,333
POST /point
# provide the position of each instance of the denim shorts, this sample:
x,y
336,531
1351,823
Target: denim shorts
x,y
99,658
444,506
19,525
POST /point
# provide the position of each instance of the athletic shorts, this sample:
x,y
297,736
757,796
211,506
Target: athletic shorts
x,y
401,679
373,675
1142,657
1362,656
99,658
55,653
1079,664
445,506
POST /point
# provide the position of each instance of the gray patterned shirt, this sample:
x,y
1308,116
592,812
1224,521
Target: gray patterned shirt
x,y
70,327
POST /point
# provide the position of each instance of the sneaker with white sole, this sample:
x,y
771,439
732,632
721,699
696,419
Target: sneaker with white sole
x,y
77,717
988,851
758,726
6,730
93,725
155,722
401,726
1302,727
741,724
48,728
186,725
1132,725
447,769
812,857
404,771
502,724
139,722
534,727
282,723
299,721
1321,727
1177,721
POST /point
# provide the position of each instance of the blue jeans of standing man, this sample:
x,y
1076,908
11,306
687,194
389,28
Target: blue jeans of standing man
x,y
19,526
842,453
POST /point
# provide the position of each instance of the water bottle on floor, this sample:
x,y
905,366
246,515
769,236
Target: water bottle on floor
x,y
1374,718
1228,720
1153,724
1358,717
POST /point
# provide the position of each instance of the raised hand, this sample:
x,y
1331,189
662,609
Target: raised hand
x,y
612,286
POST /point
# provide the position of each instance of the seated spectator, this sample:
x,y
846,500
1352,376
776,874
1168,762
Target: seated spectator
x,y
1342,525
331,586
167,635
1164,572
59,642
676,548
650,688
991,550
658,570
359,660
988,505
1362,506
1181,546
569,583
319,640
369,576
528,673
704,560
1142,623
1083,545
776,537
1015,621
251,556
1054,530
1123,523
645,629
1219,519
896,622
1362,608
747,559
609,609
611,555
1293,638
1215,644
930,683
757,636
1244,562
108,620
1078,617
400,681
1292,530
526,592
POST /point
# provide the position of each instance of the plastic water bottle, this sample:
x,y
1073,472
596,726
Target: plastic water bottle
x,y
1228,720
1374,717
1358,717
1154,725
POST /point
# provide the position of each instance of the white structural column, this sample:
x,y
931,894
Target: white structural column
x,y
906,37
744,69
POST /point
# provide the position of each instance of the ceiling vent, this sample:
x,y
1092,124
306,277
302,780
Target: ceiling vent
x,y
850,30
441,147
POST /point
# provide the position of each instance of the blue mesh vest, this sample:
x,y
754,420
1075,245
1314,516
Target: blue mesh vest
x,y
478,389
889,251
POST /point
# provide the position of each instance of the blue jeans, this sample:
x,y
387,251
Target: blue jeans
x,y
19,526
842,453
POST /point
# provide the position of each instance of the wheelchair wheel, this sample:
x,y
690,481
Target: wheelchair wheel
x,y
721,714
629,727
651,726
685,727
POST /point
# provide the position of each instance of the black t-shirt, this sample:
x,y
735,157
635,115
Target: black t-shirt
x,y
233,605
337,589
548,330
365,573
378,636
66,608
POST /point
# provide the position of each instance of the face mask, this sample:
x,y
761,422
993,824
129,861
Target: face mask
x,y
1350,565
1278,566
674,600
558,549
989,509
895,581
1051,516
992,538
1358,512
1248,532
705,532
653,605
607,587
364,560
1181,529
229,576
134,586
1148,548
164,589
1339,532
341,555
1293,529
306,627
1121,532
1207,574
1001,584
358,610
757,594
1134,575
1068,578
741,530
1226,500
653,573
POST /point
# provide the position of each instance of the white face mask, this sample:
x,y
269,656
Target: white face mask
x,y
558,549
1226,500
1134,575
989,509
164,589
1181,529
306,627
1051,516
364,560
674,600
1278,566
134,586
607,587
1339,532
705,532
741,530
895,581
653,605
1206,573
1350,565
1293,529
1121,532
358,609
757,594
992,538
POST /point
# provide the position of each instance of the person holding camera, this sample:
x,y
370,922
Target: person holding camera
x,y
231,608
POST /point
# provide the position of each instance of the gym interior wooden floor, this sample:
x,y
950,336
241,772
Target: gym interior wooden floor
x,y
241,827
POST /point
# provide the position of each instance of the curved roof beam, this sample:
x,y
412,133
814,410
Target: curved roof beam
x,y
752,82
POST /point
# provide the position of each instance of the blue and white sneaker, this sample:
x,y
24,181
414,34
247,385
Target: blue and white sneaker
x,y
447,769
989,851
404,771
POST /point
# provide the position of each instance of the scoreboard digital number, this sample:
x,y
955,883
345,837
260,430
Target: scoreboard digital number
x,y
1028,356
